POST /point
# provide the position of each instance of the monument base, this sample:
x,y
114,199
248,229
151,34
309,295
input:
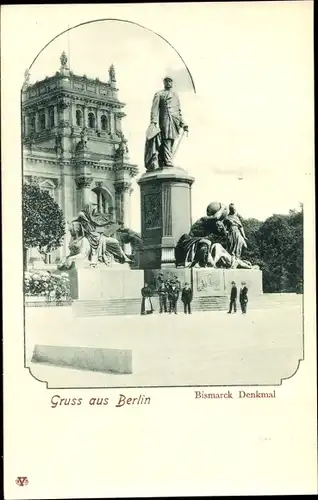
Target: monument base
x,y
105,292
212,282
105,283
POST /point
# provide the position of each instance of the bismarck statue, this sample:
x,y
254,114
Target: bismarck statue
x,y
92,247
165,127
197,247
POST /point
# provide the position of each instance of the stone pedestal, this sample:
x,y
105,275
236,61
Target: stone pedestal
x,y
104,283
165,197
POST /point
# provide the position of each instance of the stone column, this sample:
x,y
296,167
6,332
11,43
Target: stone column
x,y
111,122
47,118
26,125
83,184
68,204
73,114
98,125
123,190
37,124
85,117
56,118
118,118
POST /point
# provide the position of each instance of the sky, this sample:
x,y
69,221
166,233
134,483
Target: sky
x,y
251,118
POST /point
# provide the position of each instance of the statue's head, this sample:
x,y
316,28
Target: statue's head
x,y
217,210
232,209
220,227
168,82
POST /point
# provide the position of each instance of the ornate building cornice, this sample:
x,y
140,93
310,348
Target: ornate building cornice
x,y
52,98
127,167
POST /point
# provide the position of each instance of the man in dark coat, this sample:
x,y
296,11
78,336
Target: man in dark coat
x,y
173,295
233,298
186,298
163,295
146,304
243,297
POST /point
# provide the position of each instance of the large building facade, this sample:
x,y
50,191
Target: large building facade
x,y
74,146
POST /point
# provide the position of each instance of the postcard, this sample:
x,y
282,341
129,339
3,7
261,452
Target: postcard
x,y
158,250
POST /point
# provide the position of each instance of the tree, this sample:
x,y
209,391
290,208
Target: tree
x,y
251,228
280,241
43,221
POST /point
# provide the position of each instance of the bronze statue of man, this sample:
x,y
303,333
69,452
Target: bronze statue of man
x,y
166,124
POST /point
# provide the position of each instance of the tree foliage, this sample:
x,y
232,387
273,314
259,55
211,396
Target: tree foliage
x,y
276,245
43,220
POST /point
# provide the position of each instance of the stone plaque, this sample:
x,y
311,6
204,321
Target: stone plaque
x,y
90,88
209,282
152,210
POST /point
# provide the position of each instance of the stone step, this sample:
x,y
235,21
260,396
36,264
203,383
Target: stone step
x,y
111,307
132,306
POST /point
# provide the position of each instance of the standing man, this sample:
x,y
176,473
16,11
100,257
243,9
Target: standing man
x,y
173,295
163,294
166,123
233,298
243,297
186,298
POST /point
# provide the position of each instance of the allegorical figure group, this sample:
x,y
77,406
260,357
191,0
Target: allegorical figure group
x,y
243,297
168,293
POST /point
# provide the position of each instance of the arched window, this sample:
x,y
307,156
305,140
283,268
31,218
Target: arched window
x,y
79,118
104,122
42,121
51,117
101,201
91,120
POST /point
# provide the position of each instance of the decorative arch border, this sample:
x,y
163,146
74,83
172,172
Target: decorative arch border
x,y
122,21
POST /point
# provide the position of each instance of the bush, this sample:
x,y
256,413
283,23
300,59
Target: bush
x,y
45,284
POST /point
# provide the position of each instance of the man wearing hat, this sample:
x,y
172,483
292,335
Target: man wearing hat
x,y
173,294
163,296
186,298
166,123
233,298
243,297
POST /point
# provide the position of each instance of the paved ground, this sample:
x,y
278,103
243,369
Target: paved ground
x,y
206,348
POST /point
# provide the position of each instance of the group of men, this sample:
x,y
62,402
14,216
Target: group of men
x,y
168,293
243,298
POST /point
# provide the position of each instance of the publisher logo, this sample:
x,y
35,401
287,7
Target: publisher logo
x,y
22,481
